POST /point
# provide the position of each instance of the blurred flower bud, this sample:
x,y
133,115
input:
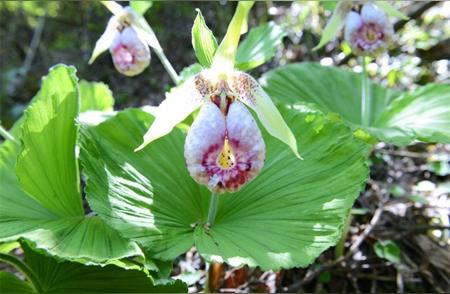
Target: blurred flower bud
x,y
129,52
369,32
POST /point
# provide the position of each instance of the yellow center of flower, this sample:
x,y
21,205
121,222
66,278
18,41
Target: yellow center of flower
x,y
226,159
371,34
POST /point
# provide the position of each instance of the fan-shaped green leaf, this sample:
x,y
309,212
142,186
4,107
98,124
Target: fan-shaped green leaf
x,y
259,46
64,277
95,96
49,213
286,217
9,283
423,114
46,166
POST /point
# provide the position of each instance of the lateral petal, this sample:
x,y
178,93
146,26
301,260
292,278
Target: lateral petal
x,y
179,103
252,95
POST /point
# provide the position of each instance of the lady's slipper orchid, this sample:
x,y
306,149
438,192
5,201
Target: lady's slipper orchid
x,y
370,32
224,148
126,43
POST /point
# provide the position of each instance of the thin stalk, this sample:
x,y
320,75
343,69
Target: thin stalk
x,y
212,211
339,250
24,269
365,95
5,134
168,66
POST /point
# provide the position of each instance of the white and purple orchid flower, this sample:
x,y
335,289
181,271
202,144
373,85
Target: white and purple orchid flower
x,y
127,37
224,148
369,32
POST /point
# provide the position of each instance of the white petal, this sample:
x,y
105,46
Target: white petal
x,y
252,95
106,39
352,23
204,143
179,103
372,14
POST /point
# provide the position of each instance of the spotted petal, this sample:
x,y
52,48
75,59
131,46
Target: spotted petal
x,y
251,94
179,103
224,152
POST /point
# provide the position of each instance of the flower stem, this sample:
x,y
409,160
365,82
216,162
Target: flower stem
x,y
5,134
24,269
365,95
212,211
168,66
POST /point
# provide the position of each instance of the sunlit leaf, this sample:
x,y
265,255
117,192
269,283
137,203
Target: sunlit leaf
x,y
50,213
203,41
284,218
95,96
259,46
46,166
423,114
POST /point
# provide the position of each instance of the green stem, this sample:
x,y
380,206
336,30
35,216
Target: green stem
x,y
5,134
24,269
339,250
213,205
365,95
168,66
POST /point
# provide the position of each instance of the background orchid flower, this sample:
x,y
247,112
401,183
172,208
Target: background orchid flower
x,y
369,32
126,43
340,18
224,148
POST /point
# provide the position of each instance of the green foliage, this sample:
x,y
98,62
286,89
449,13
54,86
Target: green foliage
x,y
53,276
284,218
46,164
421,115
203,41
9,283
45,207
141,6
387,250
259,46
95,96
335,23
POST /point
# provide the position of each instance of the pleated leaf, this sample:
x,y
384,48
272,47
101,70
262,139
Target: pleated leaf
x,y
70,277
284,218
9,283
45,207
399,119
95,96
